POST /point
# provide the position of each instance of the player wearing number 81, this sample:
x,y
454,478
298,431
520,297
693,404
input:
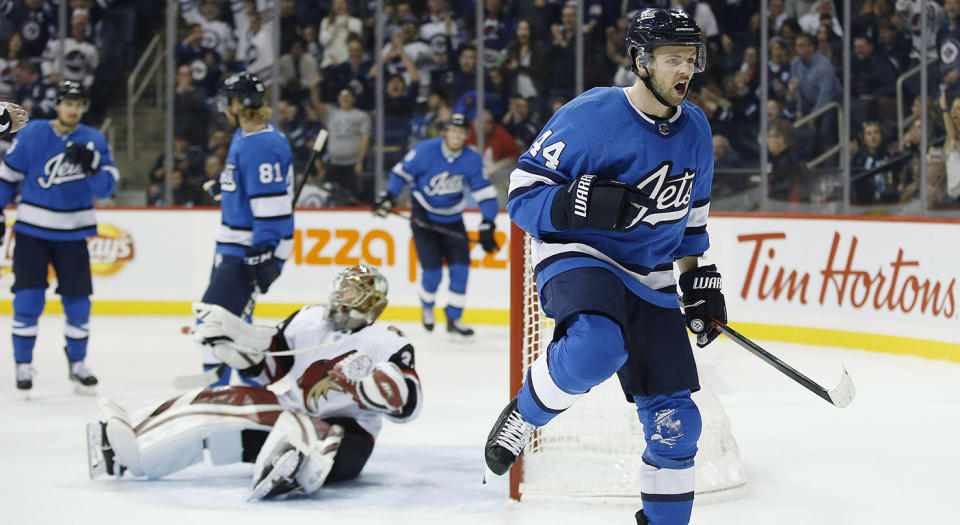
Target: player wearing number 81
x,y
256,189
614,191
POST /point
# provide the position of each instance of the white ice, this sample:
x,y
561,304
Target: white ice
x,y
891,457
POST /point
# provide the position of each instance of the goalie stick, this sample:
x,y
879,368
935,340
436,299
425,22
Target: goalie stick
x,y
317,146
840,396
191,381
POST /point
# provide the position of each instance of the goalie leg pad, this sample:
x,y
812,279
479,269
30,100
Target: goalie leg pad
x,y
315,444
671,426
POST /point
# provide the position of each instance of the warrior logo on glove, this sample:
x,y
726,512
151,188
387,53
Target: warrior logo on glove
x,y
702,301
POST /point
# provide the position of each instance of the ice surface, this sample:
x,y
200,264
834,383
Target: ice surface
x,y
891,457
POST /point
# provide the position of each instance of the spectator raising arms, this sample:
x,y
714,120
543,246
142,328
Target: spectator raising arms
x,y
335,28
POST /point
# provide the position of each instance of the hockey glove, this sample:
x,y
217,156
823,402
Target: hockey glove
x,y
3,228
262,267
212,187
380,387
383,206
702,300
87,158
589,202
487,240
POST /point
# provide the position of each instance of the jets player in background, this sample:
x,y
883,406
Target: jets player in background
x,y
62,165
12,119
615,191
439,170
316,424
256,189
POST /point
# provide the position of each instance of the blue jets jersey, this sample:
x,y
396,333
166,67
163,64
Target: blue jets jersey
x,y
56,200
437,179
602,133
257,194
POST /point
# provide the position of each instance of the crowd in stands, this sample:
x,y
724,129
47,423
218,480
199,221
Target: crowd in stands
x,y
326,79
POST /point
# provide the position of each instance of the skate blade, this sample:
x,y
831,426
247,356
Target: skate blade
x,y
283,468
83,390
488,475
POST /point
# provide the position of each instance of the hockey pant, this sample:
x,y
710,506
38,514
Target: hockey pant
x,y
231,423
592,350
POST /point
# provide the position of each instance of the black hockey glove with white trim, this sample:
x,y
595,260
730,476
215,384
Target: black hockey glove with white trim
x,y
487,240
212,187
262,267
384,205
87,158
3,228
590,202
702,300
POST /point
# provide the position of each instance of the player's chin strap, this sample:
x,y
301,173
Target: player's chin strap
x,y
650,88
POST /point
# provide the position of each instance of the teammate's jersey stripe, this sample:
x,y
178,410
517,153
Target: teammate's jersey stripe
x,y
484,193
229,235
113,171
450,210
58,210
698,215
9,174
402,173
271,206
696,230
540,170
520,191
636,268
240,228
286,217
56,220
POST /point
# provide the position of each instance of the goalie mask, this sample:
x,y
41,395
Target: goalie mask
x,y
358,297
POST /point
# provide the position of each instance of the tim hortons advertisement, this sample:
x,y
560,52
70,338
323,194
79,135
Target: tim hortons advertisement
x,y
885,277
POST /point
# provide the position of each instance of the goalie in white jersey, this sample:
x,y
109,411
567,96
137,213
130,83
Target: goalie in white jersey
x,y
315,424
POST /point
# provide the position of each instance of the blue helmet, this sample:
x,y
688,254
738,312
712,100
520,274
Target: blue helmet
x,y
663,27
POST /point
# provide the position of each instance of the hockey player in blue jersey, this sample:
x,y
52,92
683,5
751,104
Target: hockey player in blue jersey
x,y
12,119
62,165
615,191
439,171
256,189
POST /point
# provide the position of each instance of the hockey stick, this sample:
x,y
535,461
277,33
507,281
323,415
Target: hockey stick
x,y
840,396
317,146
419,222
191,381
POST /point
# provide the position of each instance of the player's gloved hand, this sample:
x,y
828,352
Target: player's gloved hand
x,y
212,187
591,202
3,228
487,240
86,157
383,206
702,300
262,267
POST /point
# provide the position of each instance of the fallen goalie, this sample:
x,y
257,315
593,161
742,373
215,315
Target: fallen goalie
x,y
314,421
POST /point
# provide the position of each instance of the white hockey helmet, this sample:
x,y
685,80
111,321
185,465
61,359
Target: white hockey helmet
x,y
357,298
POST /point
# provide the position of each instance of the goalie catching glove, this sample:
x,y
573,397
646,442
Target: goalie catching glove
x,y
375,386
237,343
702,301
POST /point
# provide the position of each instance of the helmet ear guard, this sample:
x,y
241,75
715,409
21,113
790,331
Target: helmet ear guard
x,y
357,298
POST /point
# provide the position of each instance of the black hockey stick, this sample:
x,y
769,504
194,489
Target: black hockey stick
x,y
840,396
419,222
317,146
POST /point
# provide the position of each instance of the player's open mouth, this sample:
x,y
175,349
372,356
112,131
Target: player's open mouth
x,y
680,88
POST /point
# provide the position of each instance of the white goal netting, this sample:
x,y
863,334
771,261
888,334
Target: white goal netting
x,y
594,448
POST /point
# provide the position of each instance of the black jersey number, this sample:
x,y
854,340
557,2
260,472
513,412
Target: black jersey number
x,y
551,153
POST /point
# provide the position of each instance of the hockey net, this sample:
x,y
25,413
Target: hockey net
x,y
593,449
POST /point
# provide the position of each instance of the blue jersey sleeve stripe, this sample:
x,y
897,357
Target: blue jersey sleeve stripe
x,y
402,173
113,171
520,191
701,202
271,206
484,193
273,217
268,195
9,174
698,215
696,230
237,227
541,171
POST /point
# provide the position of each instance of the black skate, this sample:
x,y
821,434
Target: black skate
x,y
277,480
84,382
506,440
100,456
641,518
25,373
426,316
454,326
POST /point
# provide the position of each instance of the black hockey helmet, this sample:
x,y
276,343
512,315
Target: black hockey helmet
x,y
245,87
72,90
663,27
458,119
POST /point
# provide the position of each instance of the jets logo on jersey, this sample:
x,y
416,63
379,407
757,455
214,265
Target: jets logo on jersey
x,y
59,171
666,199
444,184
